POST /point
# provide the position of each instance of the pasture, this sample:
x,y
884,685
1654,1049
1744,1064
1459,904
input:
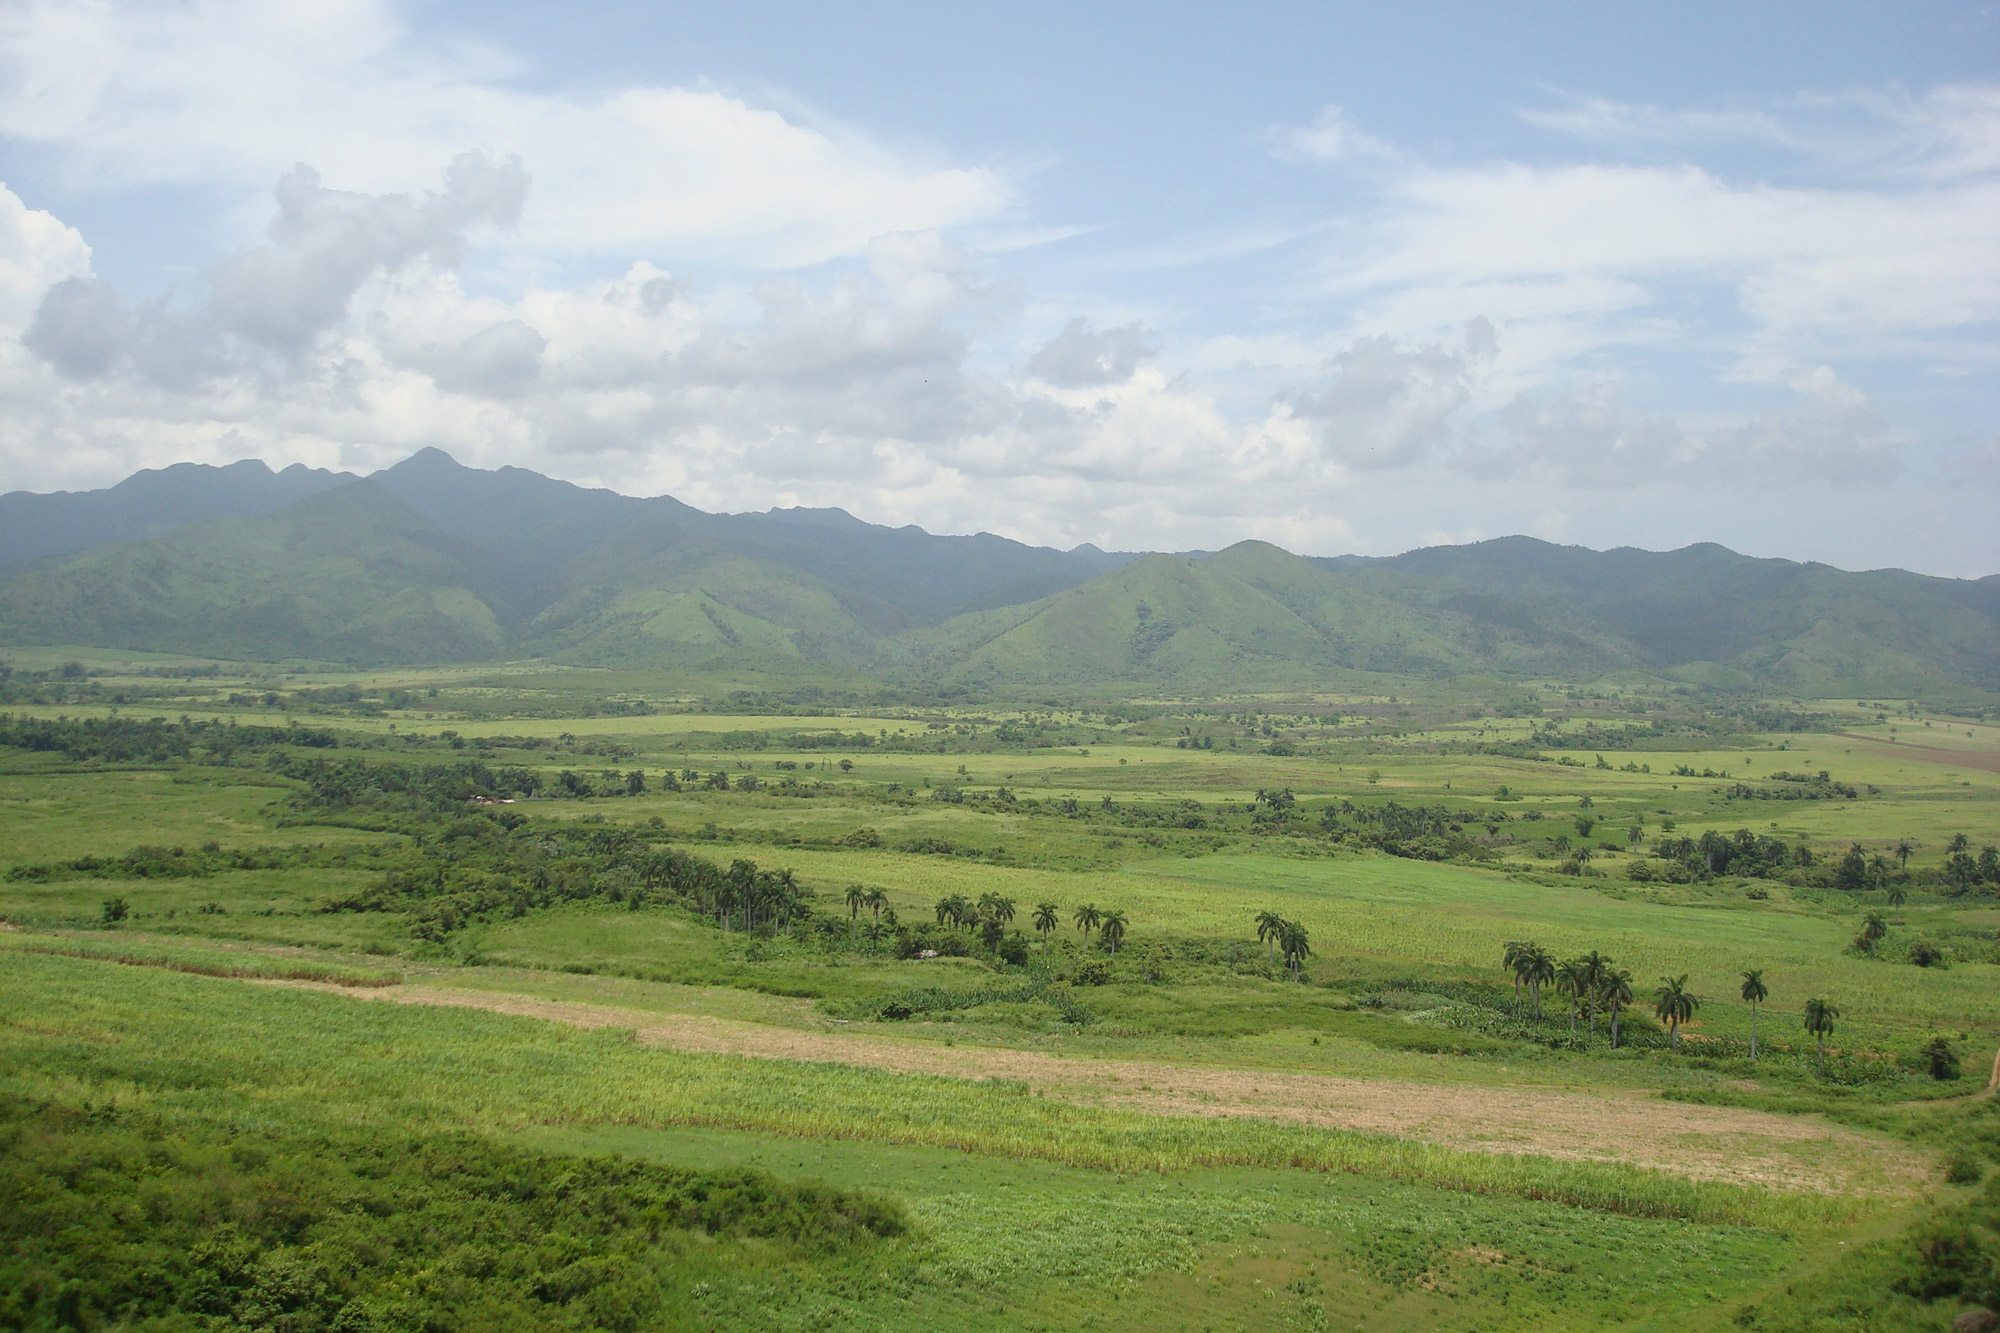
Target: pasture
x,y
323,935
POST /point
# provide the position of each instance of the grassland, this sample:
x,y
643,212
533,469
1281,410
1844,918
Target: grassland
x,y
1174,1134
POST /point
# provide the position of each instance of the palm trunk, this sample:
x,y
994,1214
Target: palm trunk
x,y
1820,1070
1614,1027
1753,1032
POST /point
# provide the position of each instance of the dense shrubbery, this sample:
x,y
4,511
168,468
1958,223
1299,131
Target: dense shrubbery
x,y
125,740
116,1217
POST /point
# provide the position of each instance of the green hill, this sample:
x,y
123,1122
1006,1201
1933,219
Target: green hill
x,y
349,575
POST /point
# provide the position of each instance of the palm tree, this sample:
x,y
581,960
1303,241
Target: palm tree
x,y
1112,929
944,909
1873,927
1674,1005
1087,918
1515,956
1269,927
994,908
1047,917
1897,896
876,900
1904,849
1541,969
1616,992
1297,945
857,898
1754,995
1570,983
1819,1022
1594,966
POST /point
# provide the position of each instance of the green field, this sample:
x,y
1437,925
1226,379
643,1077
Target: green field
x,y
310,940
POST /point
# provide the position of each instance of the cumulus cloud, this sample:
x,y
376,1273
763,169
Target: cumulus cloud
x,y
1385,405
1078,358
281,296
325,243
1831,435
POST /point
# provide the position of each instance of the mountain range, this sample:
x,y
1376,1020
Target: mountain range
x,y
429,561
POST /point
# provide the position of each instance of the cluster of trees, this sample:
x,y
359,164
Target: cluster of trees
x,y
1593,982
1754,855
1416,832
476,867
1277,932
126,740
1818,786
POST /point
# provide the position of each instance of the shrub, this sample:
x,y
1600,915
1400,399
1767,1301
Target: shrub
x,y
1925,954
1941,1059
116,909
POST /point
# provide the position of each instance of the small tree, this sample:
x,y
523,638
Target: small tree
x,y
1754,995
1111,929
1819,1017
1942,1059
1674,1006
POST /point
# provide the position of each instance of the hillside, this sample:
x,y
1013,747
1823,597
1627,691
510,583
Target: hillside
x,y
432,561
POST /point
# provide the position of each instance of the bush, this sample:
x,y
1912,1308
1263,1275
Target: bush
x,y
115,910
1941,1059
1925,954
1093,973
1948,1260
1962,1169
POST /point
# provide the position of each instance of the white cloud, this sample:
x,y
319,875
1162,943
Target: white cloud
x,y
235,91
1329,137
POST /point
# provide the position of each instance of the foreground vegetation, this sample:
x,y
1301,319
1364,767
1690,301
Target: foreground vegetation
x,y
862,995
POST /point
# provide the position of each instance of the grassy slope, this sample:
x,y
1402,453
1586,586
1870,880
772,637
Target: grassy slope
x,y
349,575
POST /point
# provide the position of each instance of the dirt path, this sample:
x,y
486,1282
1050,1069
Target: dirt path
x,y
1703,1142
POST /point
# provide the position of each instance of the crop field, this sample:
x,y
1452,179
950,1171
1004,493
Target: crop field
x,y
720,1008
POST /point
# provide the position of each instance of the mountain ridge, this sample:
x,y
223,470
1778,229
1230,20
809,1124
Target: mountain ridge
x,y
429,560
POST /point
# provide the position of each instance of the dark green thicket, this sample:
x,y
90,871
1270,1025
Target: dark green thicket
x,y
111,1217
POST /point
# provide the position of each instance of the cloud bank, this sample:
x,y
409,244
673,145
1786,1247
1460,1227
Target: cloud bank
x,y
672,289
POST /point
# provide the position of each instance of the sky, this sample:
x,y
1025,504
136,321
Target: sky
x,y
1346,278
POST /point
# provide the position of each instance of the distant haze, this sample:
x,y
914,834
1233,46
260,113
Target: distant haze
x,y
1341,279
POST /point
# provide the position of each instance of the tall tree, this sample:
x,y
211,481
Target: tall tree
x,y
1674,1006
1616,993
1819,1017
1297,944
1269,927
876,900
1594,966
1755,992
1514,958
1111,929
1047,917
1570,985
1904,849
857,898
1087,918
1541,969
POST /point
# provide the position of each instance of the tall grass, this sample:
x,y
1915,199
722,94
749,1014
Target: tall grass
x,y
228,1051
205,962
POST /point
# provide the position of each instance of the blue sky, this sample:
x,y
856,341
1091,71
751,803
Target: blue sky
x,y
1343,278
